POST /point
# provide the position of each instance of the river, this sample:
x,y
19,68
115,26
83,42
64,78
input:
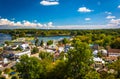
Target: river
x,y
4,37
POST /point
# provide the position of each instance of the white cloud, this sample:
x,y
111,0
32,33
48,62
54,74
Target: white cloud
x,y
110,17
109,13
87,19
49,2
114,22
50,24
84,9
119,6
24,23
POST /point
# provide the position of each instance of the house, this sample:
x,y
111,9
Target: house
x,y
98,63
114,52
98,60
67,48
110,59
104,52
5,61
28,52
8,54
50,51
94,46
60,49
24,46
95,52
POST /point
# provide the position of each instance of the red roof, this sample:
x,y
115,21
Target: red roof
x,y
113,50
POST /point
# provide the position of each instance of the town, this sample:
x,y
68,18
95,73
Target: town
x,y
12,51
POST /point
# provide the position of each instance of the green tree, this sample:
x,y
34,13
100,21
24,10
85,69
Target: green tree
x,y
0,72
116,43
18,48
30,67
14,77
65,41
45,55
116,66
50,42
35,50
92,75
99,54
107,41
7,43
37,42
58,71
41,43
7,70
79,61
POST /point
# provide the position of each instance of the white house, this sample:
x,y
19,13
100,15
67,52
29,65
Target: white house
x,y
104,52
5,60
95,52
24,46
28,52
50,51
61,49
98,60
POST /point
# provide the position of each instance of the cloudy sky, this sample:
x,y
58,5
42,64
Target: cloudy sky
x,y
60,14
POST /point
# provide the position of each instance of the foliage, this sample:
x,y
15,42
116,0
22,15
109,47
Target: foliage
x,y
65,41
99,54
92,75
7,70
116,43
2,77
18,48
0,72
30,67
37,42
116,66
7,43
58,71
35,50
79,61
41,43
45,55
50,42
14,77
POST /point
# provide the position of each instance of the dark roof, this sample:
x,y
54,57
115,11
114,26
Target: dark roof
x,y
113,50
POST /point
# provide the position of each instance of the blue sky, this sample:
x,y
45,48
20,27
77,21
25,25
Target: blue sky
x,y
60,13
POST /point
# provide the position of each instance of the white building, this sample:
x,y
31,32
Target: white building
x,y
95,52
98,60
28,52
24,46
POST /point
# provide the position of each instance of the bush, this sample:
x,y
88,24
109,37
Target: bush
x,y
35,50
18,49
0,72
7,70
14,77
2,77
50,42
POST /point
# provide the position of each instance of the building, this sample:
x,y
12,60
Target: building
x,y
24,46
94,46
114,52
28,52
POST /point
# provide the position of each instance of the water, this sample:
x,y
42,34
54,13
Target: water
x,y
56,38
4,37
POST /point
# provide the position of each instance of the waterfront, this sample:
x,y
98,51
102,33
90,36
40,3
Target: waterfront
x,y
4,37
56,38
